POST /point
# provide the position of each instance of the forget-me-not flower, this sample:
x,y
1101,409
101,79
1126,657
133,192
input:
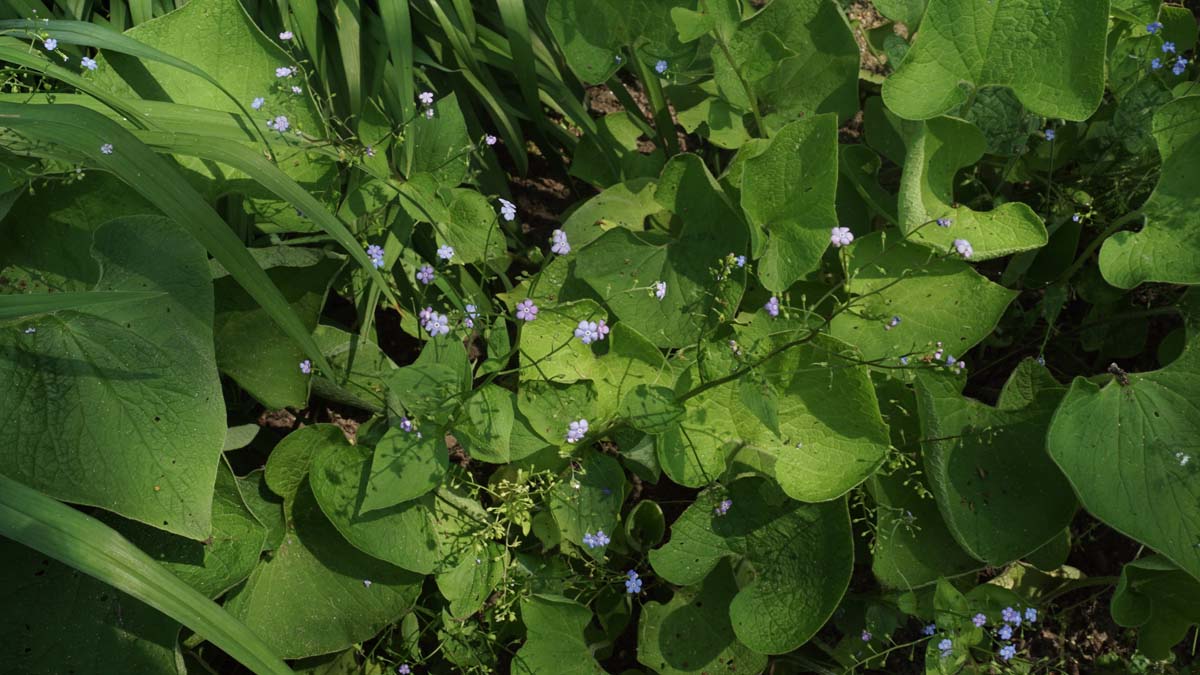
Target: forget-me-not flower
x,y
1155,63
979,620
279,124
945,222
107,149
437,325
946,646
660,67
425,275
88,62
660,289
526,310
633,584
306,366
1180,66
558,242
840,236
577,430
284,71
1007,652
445,252
1154,27
489,139
257,103
426,98
1168,47
723,508
50,44
286,35
772,306
963,247
375,253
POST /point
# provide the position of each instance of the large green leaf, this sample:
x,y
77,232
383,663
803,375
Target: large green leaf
x,y
800,558
692,632
1049,52
67,535
622,266
20,306
359,595
1129,448
799,59
937,300
788,190
120,406
995,484
550,343
406,465
254,351
1166,249
588,499
937,150
622,205
1158,599
555,642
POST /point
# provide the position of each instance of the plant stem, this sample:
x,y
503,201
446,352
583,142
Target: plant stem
x,y
1095,243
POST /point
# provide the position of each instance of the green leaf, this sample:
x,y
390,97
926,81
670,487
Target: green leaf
x,y
694,452
549,348
622,205
799,557
586,31
1158,599
20,306
425,389
554,638
622,266
266,506
588,500
717,121
69,536
908,12
937,150
119,383
652,409
473,228
788,191
440,144
1049,52
645,525
937,300
692,632
289,461
1130,450
315,558
360,369
491,417
799,58
256,353
1165,249
995,484
406,465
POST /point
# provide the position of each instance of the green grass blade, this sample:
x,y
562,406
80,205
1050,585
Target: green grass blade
x,y
17,306
76,539
397,26
15,51
348,21
83,131
141,10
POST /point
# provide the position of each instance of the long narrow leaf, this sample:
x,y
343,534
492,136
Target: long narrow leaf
x,y
76,539
85,132
397,26
17,306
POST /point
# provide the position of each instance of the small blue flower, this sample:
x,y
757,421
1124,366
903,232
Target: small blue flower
x,y
508,210
929,630
1076,217
840,236
633,585
445,252
893,323
1168,47
558,243
1005,632
1155,64
660,289
406,425
772,306
660,67
526,310
370,151
106,149
426,98
1049,134
1031,615
297,90
375,253
88,62
595,540
1011,615
284,71
740,261
946,646
257,103
306,367
279,124
601,538
489,139
723,508
366,583
1153,28
425,275
436,325
979,620
286,35
587,331
1007,652
945,222
1180,66
577,430
472,314
963,247
904,360
50,44
866,636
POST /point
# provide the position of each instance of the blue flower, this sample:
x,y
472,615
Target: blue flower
x,y
106,149
257,103
366,583
1076,218
866,636
286,35
893,323
406,424
375,253
945,222
50,44
1007,652
946,646
296,89
425,275
723,508
284,71
1180,66
929,630
489,139
1049,134
508,210
526,310
426,98
279,124
740,261
1011,615
306,366
472,314
445,252
88,62
660,289
904,360
979,620
660,67
558,243
586,331
963,247
436,325
577,430
1031,615
1155,64
633,584
840,236
1168,47
1153,28
595,540
772,306
1005,632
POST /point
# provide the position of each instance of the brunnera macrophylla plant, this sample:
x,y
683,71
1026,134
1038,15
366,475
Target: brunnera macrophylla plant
x,y
849,347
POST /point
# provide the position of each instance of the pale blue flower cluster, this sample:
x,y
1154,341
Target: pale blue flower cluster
x,y
591,331
375,253
596,540
660,289
577,430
